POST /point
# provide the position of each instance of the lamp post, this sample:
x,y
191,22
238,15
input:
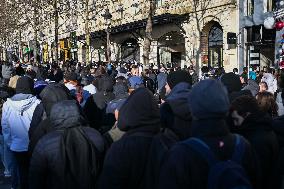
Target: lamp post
x,y
107,16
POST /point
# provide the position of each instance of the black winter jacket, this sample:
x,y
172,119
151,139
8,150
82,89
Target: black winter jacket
x,y
68,157
257,129
126,161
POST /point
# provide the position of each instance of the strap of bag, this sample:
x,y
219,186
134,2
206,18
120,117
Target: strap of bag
x,y
239,149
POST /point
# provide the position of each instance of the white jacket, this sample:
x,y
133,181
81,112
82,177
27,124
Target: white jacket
x,y
17,114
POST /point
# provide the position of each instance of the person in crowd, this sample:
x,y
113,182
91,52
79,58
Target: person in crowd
x,y
71,155
161,79
267,103
184,167
175,123
252,86
55,74
205,73
17,114
233,85
256,127
71,82
6,156
147,81
263,87
244,75
95,106
7,70
125,162
40,124
193,74
271,82
279,94
252,74
30,72
236,71
175,114
20,70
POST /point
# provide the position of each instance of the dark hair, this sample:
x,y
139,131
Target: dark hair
x,y
264,83
267,103
245,104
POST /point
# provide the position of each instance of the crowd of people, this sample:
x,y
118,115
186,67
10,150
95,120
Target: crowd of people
x,y
128,126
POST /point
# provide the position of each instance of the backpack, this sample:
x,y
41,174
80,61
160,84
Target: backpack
x,y
227,174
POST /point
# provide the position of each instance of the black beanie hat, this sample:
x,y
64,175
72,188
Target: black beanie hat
x,y
232,82
177,77
25,85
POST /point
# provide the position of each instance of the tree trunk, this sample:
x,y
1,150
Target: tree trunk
x,y
87,30
36,23
148,34
55,30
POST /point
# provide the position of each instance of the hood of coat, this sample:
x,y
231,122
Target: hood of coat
x,y
66,114
177,99
52,94
252,86
254,122
139,110
21,102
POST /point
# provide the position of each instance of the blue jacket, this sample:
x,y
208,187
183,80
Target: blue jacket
x,y
17,114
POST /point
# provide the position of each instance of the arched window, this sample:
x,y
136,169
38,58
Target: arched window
x,y
215,46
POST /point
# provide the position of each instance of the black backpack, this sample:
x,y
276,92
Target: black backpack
x,y
227,174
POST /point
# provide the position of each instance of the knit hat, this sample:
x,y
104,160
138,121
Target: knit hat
x,y
177,77
209,99
232,82
25,85
71,76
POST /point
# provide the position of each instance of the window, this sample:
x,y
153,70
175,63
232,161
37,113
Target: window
x,y
269,5
250,7
160,3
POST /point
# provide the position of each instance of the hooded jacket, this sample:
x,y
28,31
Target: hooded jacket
x,y
184,167
124,166
16,118
40,124
70,155
175,112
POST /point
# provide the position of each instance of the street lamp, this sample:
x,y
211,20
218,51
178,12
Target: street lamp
x,y
107,16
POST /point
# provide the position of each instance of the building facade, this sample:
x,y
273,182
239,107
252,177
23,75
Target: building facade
x,y
185,32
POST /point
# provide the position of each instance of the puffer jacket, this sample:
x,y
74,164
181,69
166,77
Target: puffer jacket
x,y
16,118
70,155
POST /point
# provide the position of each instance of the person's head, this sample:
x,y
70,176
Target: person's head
x,y
25,85
209,100
52,94
176,77
267,103
135,70
139,110
66,114
245,70
242,107
70,77
232,82
263,87
235,70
